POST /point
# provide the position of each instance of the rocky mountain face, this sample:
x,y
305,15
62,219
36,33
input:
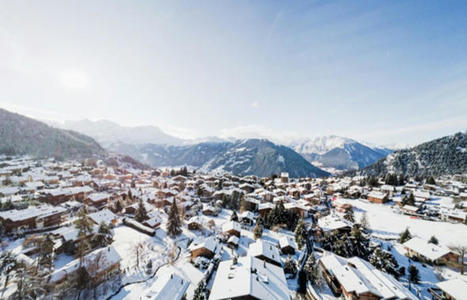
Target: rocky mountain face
x,y
337,154
23,135
446,155
107,132
243,157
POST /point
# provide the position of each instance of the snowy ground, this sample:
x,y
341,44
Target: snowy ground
x,y
385,223
429,275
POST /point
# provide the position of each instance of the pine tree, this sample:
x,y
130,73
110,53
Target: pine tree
x,y
104,236
401,180
141,213
174,223
46,251
414,275
348,214
234,216
431,180
300,234
290,267
433,240
199,292
405,236
85,229
258,231
118,206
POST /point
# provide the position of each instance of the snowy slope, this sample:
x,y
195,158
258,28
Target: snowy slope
x,y
337,153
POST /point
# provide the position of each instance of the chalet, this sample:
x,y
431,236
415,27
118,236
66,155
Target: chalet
x,y
249,188
265,251
355,278
32,217
247,217
453,215
422,196
101,263
249,278
154,220
195,223
208,210
340,205
287,245
453,289
410,209
388,189
334,223
251,203
284,177
206,248
298,208
231,228
378,197
98,200
61,195
233,241
169,285
265,208
428,252
105,216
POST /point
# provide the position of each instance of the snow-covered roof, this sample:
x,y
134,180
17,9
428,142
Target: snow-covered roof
x,y
233,239
264,248
377,195
411,208
266,205
286,241
9,190
94,197
361,277
210,244
247,215
456,288
231,225
249,277
104,215
332,222
31,212
97,261
428,250
168,286
422,194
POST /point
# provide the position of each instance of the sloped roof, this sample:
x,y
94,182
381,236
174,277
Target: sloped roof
x,y
423,247
250,276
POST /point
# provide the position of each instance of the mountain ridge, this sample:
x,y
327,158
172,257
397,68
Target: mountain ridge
x,y
21,135
258,157
442,156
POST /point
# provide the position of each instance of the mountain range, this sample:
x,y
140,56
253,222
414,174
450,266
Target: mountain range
x,y
261,157
331,153
446,155
107,132
336,154
243,157
22,135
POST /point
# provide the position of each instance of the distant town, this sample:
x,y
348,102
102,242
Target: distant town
x,y
107,229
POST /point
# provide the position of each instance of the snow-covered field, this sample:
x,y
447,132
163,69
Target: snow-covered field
x,y
386,223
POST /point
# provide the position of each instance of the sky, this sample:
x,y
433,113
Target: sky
x,y
385,72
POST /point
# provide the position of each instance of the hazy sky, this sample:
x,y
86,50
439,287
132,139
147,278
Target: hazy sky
x,y
379,71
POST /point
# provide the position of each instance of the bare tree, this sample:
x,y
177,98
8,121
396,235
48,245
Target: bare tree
x,y
460,250
139,249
